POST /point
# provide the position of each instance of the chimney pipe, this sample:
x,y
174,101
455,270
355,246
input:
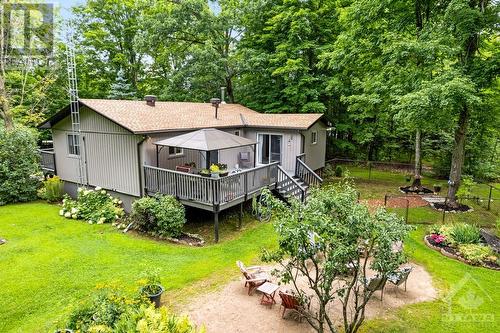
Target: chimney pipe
x,y
150,100
223,93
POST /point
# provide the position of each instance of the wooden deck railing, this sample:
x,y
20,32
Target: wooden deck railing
x,y
210,191
47,160
304,172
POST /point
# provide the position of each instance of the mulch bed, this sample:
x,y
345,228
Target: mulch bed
x,y
460,209
412,201
410,190
454,254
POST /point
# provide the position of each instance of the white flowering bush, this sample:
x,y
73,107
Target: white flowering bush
x,y
94,206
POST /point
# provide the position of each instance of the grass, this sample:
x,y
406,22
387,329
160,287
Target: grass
x,y
49,263
473,305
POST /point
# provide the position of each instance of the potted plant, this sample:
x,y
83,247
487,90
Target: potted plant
x,y
222,169
215,170
437,188
205,172
152,288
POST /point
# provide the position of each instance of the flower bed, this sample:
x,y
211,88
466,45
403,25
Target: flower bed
x,y
462,242
95,206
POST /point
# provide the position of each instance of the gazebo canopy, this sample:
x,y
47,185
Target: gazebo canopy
x,y
208,139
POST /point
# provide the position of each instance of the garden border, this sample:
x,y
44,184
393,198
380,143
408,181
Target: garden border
x,y
454,256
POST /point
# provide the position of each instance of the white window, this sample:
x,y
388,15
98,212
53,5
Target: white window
x,y
175,151
314,137
73,144
237,132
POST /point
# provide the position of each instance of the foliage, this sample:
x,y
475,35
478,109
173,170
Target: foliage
x,y
465,189
161,215
338,171
121,89
111,310
476,253
150,283
92,205
52,189
465,234
329,232
19,165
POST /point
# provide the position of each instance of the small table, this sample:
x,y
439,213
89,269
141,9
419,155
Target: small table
x,y
268,290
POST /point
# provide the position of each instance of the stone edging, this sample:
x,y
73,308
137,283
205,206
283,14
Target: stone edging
x,y
454,256
183,242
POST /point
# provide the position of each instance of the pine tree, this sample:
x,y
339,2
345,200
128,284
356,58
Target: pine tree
x,y
121,89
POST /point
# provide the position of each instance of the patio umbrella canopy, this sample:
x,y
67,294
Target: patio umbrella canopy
x,y
208,139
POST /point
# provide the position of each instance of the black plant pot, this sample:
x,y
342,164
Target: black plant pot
x,y
437,189
155,298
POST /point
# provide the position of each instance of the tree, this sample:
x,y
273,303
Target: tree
x,y
5,112
121,89
321,242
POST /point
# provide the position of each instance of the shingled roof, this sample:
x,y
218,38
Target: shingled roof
x,y
140,118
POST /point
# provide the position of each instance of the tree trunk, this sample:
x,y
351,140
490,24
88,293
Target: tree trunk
x,y
457,159
229,88
417,185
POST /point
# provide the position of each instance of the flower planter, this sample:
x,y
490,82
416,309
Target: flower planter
x,y
205,175
223,173
154,298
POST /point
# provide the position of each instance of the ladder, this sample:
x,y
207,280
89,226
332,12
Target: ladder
x,y
74,105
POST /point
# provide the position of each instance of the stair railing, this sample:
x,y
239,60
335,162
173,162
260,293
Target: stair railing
x,y
284,177
305,173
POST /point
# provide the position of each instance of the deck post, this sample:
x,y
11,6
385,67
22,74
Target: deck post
x,y
240,217
216,226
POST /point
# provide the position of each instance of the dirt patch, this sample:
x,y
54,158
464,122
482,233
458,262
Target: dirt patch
x,y
411,201
232,310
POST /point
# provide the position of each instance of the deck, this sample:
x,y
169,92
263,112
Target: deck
x,y
213,194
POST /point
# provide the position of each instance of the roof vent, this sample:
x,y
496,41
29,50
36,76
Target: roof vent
x,y
150,100
215,103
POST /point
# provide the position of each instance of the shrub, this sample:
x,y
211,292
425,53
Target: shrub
x,y
338,171
112,310
465,234
52,189
19,165
465,189
328,171
93,206
476,253
160,215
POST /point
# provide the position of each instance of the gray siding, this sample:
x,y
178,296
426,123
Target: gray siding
x,y
290,147
315,153
109,151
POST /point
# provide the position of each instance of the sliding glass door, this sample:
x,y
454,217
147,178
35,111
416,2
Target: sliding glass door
x,y
269,148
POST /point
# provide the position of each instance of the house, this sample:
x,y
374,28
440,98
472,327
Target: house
x,y
134,148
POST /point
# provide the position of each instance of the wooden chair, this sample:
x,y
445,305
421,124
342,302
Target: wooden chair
x,y
292,302
376,283
253,279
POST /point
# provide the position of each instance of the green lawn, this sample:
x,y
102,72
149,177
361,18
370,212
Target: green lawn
x,y
50,262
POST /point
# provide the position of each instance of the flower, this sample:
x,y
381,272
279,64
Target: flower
x,y
74,210
67,215
98,188
74,216
80,189
120,202
438,239
61,212
101,220
86,192
90,221
103,191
